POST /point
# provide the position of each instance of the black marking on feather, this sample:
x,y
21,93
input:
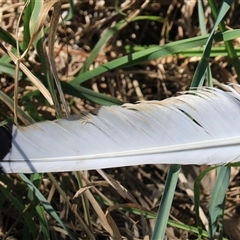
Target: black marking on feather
x,y
5,140
1,169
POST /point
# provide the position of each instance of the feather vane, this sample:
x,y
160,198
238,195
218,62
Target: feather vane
x,y
199,127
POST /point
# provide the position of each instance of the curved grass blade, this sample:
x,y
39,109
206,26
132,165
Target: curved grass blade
x,y
36,180
8,68
228,44
215,51
154,53
195,52
188,228
70,11
141,211
110,32
117,8
203,64
90,95
100,44
27,217
48,208
7,37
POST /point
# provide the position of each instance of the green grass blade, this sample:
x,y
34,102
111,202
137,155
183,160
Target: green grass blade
x,y
151,215
39,46
36,180
70,11
209,77
48,208
90,95
100,44
188,228
201,18
30,107
197,184
203,64
195,52
198,77
110,32
7,37
149,18
27,217
203,29
221,219
229,44
166,202
216,208
34,18
215,51
8,68
85,93
117,9
217,201
26,28
154,53
43,222
6,59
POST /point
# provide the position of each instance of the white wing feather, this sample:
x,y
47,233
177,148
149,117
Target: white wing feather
x,y
200,127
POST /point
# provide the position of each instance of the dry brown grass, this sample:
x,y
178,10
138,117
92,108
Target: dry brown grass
x,y
156,80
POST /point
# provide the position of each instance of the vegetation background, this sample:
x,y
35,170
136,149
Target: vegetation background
x,y
91,33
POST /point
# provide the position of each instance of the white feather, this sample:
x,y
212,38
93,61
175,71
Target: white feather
x,y
200,127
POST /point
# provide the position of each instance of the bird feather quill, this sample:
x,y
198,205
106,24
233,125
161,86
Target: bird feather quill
x,y
198,127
